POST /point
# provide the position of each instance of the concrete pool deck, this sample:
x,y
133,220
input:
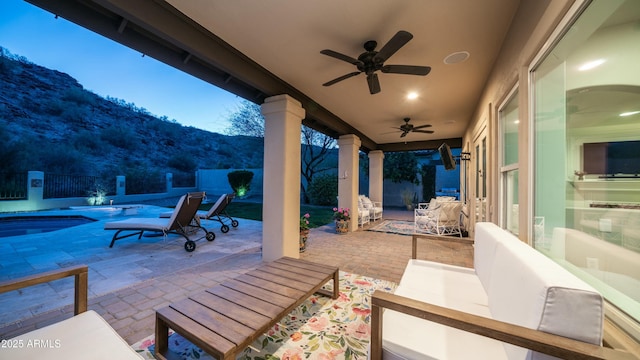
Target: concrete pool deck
x,y
129,261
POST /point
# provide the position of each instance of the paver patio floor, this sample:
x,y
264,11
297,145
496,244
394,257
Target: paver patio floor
x,y
134,278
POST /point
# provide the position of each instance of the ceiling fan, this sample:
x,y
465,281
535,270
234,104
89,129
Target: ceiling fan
x,y
371,61
407,128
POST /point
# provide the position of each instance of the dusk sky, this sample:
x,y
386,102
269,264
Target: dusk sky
x,y
110,69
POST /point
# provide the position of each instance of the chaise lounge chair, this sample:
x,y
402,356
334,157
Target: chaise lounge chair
x,y
180,220
217,212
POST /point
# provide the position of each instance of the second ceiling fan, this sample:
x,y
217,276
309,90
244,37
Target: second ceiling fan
x,y
407,128
371,61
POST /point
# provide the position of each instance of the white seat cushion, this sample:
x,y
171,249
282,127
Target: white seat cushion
x,y
84,336
408,337
453,282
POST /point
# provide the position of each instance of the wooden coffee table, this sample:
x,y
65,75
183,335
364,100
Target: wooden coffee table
x,y
227,318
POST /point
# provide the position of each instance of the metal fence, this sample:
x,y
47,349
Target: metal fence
x,y
13,186
63,186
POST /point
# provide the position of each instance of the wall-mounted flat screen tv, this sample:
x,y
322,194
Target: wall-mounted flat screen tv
x,y
611,158
447,157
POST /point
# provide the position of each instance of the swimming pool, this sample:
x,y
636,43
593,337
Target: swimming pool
x,y
25,225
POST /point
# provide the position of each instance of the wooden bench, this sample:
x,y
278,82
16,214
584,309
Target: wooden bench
x,y
227,318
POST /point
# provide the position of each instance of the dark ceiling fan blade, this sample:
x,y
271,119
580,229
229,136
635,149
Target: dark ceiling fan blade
x,y
404,134
424,131
342,57
421,126
397,41
343,77
374,84
406,69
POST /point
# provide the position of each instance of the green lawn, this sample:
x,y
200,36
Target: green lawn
x,y
319,215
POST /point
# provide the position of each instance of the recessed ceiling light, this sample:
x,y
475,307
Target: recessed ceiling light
x,y
591,64
630,113
456,57
412,95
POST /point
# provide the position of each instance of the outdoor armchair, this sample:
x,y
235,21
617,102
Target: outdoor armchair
x,y
85,335
363,215
374,207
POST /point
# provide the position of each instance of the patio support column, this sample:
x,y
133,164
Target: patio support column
x,y
348,176
281,196
376,176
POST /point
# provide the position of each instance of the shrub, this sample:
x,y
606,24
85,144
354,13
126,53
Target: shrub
x,y
428,181
183,162
323,190
74,115
53,107
240,181
120,136
7,64
21,152
63,159
144,180
79,96
87,142
401,166
32,105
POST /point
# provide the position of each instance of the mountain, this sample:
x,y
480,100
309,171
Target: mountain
x,y
50,123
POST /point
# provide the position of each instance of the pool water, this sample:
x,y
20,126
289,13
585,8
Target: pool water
x,y
25,225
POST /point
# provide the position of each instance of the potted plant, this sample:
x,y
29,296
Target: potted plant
x,y
409,199
304,231
342,217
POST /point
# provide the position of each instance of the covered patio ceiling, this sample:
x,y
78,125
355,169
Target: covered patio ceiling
x,y
258,49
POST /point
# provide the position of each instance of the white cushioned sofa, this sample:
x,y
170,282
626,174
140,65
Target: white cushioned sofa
x,y
84,336
513,294
439,216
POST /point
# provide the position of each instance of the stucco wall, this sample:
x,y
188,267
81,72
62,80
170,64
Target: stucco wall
x,y
531,27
